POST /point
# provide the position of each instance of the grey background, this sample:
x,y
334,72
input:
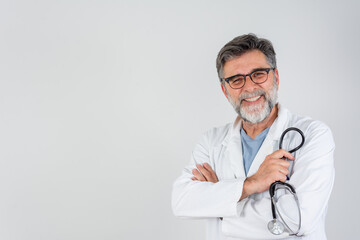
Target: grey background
x,y
101,103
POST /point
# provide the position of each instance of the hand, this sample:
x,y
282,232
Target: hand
x,y
273,169
204,173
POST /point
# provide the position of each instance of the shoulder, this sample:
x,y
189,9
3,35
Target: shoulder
x,y
210,140
316,132
216,135
307,124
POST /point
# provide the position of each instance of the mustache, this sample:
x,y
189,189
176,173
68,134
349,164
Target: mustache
x,y
252,94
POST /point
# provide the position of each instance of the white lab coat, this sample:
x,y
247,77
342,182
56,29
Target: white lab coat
x,y
313,177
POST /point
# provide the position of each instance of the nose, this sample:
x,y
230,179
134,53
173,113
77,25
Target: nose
x,y
249,85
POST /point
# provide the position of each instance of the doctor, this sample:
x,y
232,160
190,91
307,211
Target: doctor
x,y
232,167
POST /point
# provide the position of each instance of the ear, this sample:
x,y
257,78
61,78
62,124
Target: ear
x,y
224,90
277,77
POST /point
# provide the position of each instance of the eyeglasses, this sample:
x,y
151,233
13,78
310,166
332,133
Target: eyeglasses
x,y
257,76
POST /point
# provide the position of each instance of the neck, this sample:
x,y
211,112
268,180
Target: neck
x,y
254,129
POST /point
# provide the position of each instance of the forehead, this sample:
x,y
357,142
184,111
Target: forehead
x,y
245,63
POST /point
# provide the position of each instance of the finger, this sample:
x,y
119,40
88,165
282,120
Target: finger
x,y
284,171
198,175
282,178
212,172
282,167
194,178
284,163
204,172
278,176
282,153
208,167
278,162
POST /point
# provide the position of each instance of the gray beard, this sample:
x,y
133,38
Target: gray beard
x,y
256,114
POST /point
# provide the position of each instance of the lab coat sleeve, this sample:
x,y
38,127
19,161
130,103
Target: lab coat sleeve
x,y
313,179
196,199
314,176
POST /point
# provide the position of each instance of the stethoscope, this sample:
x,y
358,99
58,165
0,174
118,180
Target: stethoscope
x,y
275,226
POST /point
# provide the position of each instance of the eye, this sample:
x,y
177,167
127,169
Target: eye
x,y
236,79
259,74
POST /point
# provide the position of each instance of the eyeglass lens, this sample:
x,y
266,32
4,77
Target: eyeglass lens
x,y
259,76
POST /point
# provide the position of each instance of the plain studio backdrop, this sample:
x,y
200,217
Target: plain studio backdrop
x,y
102,102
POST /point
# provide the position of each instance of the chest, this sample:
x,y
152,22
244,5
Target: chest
x,y
228,160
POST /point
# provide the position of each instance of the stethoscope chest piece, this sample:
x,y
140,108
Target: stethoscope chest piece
x,y
276,227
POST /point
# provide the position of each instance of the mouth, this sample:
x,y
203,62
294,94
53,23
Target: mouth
x,y
252,99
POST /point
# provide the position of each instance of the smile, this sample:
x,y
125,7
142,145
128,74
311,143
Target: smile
x,y
253,99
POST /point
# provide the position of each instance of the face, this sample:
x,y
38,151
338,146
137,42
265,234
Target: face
x,y
253,102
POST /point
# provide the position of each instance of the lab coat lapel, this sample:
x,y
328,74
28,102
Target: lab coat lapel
x,y
266,148
233,154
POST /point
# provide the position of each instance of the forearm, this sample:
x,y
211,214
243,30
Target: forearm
x,y
206,199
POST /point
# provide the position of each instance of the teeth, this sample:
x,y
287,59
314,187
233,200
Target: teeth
x,y
252,99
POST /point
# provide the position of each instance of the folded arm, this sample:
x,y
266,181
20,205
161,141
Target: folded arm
x,y
204,199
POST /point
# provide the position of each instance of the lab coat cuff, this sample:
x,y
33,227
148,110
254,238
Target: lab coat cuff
x,y
236,206
240,206
241,203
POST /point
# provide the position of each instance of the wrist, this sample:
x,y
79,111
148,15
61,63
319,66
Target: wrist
x,y
249,188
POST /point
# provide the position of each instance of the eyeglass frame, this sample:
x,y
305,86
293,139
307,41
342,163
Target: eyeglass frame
x,y
249,75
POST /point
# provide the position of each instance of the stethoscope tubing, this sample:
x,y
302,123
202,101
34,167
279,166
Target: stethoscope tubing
x,y
272,188
288,130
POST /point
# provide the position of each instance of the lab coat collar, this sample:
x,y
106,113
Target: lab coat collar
x,y
280,123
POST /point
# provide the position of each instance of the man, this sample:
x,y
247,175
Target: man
x,y
232,168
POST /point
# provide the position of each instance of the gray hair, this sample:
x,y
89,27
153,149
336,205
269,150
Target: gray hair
x,y
241,45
